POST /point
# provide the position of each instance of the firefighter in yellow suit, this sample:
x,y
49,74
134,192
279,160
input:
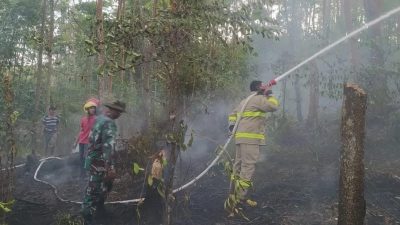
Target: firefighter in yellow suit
x,y
250,133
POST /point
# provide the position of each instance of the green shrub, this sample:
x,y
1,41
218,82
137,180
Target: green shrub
x,y
67,219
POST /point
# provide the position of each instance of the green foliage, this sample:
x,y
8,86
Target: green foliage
x,y
136,168
139,149
67,219
161,189
5,207
234,204
178,137
207,59
18,18
150,180
14,116
199,35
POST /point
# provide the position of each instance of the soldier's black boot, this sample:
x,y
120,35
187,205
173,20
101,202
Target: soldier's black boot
x,y
87,216
88,220
100,208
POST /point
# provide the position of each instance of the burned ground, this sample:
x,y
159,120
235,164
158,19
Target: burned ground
x,y
296,182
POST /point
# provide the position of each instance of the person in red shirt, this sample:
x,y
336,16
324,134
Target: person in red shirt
x,y
86,125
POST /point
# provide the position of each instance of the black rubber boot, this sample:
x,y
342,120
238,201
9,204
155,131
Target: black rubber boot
x,y
87,217
87,220
100,208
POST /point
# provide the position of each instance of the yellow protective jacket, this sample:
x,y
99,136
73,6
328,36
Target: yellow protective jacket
x,y
251,127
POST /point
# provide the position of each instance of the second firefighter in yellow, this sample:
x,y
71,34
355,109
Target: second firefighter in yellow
x,y
250,133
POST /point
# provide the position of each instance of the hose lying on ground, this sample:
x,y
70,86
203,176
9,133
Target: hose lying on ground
x,y
70,201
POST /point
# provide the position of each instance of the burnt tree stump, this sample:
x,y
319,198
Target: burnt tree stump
x,y
351,183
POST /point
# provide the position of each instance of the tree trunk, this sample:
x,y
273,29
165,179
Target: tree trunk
x,y
398,30
148,84
375,79
10,146
155,8
176,130
294,28
120,9
326,18
299,111
120,17
101,58
174,112
373,9
314,95
354,55
351,183
49,50
38,78
153,84
312,119
283,90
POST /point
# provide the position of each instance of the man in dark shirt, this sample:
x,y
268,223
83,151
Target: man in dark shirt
x,y
50,130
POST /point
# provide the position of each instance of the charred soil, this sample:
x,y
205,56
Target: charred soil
x,y
294,184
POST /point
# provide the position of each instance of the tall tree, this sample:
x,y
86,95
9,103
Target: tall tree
x,y
312,118
49,50
38,92
146,69
373,9
398,30
314,74
174,127
10,145
348,18
375,79
120,9
294,29
101,58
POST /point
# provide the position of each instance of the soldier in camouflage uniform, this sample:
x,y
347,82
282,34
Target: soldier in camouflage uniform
x,y
99,161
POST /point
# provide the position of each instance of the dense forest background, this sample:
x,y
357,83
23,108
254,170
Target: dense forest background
x,y
192,61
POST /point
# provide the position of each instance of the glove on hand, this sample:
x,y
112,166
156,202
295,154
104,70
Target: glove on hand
x,y
110,175
108,185
231,128
268,92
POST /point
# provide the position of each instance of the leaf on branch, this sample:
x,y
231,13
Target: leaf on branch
x,y
160,190
190,140
164,162
6,206
150,180
136,168
89,42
